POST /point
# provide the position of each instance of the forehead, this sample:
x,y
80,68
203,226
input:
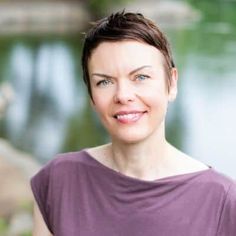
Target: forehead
x,y
124,54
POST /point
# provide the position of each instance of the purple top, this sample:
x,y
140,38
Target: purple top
x,y
79,196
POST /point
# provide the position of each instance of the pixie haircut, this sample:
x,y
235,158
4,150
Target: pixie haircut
x,y
124,26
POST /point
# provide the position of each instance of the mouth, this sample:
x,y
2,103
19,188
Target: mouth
x,y
129,117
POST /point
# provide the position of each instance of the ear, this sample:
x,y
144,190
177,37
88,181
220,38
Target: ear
x,y
173,86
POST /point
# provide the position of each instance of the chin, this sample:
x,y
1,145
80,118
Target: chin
x,y
131,138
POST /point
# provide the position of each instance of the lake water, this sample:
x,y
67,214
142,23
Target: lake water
x,y
50,112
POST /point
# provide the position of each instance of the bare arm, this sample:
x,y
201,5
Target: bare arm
x,y
39,228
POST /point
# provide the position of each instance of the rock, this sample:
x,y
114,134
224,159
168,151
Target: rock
x,y
26,163
37,17
15,170
14,189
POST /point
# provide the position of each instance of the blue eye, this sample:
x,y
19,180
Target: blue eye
x,y
104,82
142,77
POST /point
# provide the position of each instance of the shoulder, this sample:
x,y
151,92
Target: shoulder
x,y
68,158
220,178
55,177
65,169
212,178
218,184
62,163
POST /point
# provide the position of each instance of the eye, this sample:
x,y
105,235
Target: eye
x,y
141,77
104,82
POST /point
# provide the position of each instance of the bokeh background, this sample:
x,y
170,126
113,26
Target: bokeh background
x,y
44,107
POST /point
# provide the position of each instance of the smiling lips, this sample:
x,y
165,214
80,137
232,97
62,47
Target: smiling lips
x,y
129,117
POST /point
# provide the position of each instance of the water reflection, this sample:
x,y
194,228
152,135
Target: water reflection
x,y
51,111
46,96
207,83
206,56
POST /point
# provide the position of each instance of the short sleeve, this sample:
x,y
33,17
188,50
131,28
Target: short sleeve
x,y
227,224
40,185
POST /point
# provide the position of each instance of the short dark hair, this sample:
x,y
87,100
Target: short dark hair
x,y
123,26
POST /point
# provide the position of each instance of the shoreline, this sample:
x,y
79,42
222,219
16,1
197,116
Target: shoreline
x,y
42,17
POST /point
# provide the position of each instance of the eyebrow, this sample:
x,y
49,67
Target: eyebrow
x,y
139,68
130,73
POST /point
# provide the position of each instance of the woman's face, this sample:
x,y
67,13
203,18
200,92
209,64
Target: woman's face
x,y
129,89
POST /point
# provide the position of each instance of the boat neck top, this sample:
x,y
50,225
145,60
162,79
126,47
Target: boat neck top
x,y
177,177
79,196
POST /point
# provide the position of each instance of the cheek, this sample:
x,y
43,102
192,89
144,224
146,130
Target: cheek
x,y
156,102
155,93
102,99
100,105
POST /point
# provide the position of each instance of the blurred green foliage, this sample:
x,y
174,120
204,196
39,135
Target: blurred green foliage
x,y
100,8
3,226
83,132
26,234
216,11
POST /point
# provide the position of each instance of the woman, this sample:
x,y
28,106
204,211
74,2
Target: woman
x,y
138,184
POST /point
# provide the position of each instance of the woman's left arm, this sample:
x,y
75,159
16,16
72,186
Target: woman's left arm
x,y
227,224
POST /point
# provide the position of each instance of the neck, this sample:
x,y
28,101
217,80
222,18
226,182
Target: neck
x,y
144,160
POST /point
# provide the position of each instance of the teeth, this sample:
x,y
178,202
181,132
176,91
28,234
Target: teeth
x,y
127,116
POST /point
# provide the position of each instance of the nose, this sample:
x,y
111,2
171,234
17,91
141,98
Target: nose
x,y
124,94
